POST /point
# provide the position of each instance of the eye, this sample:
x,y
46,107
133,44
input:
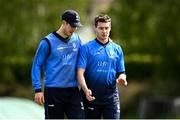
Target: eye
x,y
106,28
101,28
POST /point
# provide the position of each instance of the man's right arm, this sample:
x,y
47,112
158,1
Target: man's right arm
x,y
37,66
82,82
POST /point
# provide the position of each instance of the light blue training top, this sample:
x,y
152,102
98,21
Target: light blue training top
x,y
60,66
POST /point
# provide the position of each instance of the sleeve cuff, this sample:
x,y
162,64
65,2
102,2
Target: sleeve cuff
x,y
123,72
37,90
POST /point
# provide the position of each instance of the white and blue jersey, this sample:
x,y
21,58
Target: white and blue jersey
x,y
60,65
102,63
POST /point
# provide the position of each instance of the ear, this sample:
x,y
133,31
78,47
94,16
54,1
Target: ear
x,y
64,22
94,29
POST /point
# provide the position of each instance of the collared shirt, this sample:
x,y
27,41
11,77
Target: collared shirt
x,y
101,64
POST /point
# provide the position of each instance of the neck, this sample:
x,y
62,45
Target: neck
x,y
60,31
103,41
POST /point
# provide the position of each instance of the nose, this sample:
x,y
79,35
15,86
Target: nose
x,y
104,30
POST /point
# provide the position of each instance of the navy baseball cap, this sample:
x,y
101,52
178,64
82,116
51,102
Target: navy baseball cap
x,y
72,17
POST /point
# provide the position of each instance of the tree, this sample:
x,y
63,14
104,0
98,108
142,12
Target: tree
x,y
149,33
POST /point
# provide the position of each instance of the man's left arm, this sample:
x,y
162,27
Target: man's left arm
x,y
121,79
121,74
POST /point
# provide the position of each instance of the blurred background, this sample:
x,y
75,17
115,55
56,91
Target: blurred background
x,y
147,30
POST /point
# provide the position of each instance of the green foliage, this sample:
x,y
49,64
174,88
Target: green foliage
x,y
23,23
149,32
149,27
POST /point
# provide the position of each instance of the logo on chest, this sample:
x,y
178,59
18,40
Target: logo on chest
x,y
72,47
111,54
102,63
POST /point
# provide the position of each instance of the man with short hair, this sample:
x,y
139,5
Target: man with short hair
x,y
100,67
57,55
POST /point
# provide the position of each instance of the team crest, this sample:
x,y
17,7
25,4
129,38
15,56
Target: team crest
x,y
111,54
74,47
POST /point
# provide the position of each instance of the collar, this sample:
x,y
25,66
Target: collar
x,y
103,44
61,38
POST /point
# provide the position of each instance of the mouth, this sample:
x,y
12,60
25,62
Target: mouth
x,y
104,35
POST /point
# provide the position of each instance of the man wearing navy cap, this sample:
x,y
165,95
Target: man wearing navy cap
x,y
56,56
